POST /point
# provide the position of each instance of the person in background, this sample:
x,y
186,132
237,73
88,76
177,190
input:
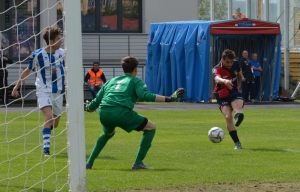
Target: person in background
x,y
256,72
4,60
247,76
95,78
238,14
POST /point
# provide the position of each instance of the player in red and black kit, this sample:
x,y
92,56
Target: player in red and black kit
x,y
227,93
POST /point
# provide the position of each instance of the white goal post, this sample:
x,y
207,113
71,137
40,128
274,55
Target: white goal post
x,y
75,124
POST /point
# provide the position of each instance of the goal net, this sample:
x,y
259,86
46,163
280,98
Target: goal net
x,y
23,164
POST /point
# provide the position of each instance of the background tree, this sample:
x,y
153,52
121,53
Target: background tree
x,y
220,9
204,10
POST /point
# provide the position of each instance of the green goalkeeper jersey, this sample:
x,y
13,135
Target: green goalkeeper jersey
x,y
122,91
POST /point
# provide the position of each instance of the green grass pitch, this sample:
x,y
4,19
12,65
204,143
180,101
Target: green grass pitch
x,y
181,154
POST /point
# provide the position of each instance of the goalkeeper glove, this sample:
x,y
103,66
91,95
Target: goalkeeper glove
x,y
86,106
176,95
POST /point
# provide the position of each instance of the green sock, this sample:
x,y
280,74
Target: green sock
x,y
144,145
101,142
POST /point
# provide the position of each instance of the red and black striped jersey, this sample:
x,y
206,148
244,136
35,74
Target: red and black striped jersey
x,y
230,74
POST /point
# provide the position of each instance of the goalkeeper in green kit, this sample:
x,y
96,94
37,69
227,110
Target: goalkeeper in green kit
x,y
116,100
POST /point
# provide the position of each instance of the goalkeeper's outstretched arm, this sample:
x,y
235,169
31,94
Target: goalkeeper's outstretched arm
x,y
174,97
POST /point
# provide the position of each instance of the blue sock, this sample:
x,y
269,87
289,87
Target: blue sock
x,y
46,138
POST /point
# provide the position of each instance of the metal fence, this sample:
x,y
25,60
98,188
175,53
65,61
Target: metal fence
x,y
109,49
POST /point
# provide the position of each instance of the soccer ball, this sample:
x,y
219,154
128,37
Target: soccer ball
x,y
216,134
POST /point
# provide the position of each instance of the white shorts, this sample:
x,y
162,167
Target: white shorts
x,y
55,100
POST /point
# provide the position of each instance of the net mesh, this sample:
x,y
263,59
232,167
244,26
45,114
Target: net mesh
x,y
23,166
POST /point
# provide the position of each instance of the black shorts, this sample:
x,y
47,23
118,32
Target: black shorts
x,y
142,125
228,99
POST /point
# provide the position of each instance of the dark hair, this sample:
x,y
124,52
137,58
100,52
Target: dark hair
x,y
51,33
227,53
95,63
129,63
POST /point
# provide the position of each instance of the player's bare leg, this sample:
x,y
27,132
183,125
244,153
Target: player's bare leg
x,y
55,120
227,113
149,126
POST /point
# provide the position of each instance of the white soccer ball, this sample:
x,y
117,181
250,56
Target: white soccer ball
x,y
216,134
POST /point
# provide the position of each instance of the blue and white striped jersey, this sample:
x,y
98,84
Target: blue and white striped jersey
x,y
49,68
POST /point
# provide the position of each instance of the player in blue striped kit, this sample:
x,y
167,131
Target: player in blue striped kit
x,y
48,64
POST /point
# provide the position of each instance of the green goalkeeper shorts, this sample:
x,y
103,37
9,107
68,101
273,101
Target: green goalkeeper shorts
x,y
124,118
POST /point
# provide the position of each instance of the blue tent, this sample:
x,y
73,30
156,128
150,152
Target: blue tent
x,y
182,54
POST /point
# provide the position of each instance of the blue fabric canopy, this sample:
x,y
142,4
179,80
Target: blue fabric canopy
x,y
180,54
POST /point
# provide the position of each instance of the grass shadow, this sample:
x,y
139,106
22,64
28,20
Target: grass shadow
x,y
103,157
65,155
265,150
153,169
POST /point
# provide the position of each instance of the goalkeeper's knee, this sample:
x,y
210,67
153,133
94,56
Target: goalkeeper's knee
x,y
110,135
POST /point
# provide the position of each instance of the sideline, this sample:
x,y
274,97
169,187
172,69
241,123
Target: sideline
x,y
174,106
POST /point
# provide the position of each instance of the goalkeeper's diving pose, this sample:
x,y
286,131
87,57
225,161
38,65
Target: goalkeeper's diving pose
x,y
48,64
116,100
